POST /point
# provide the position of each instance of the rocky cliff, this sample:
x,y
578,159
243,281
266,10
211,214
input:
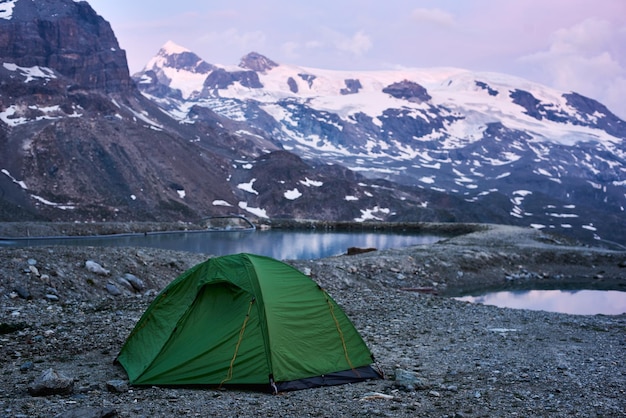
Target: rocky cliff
x,y
68,36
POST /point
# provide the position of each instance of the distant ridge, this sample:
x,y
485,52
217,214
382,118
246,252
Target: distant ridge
x,y
538,156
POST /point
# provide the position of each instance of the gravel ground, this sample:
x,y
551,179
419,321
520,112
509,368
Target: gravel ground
x,y
59,312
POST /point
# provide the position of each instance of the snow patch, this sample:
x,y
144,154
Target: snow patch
x,y
7,118
6,9
221,203
247,187
31,73
56,205
369,214
261,213
562,215
13,179
309,183
292,194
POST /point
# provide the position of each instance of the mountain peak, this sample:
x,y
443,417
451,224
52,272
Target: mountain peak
x,y
257,62
172,48
172,55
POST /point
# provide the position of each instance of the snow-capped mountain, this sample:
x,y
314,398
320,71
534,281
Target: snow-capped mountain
x,y
79,142
538,156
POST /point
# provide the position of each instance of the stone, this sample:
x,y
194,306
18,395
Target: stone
x,y
23,293
26,366
117,386
51,382
125,284
357,250
408,380
113,290
135,282
94,267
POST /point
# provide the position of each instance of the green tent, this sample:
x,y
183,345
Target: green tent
x,y
245,320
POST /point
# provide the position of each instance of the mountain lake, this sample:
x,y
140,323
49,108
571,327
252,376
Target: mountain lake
x,y
282,245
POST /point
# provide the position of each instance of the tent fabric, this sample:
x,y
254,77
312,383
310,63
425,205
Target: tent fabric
x,y
245,319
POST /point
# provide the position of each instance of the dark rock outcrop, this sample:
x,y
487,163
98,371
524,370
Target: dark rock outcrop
x,y
352,86
407,90
257,62
69,37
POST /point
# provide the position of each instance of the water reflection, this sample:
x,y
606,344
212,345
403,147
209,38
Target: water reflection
x,y
281,245
577,302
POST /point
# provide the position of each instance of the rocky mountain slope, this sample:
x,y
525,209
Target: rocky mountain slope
x,y
78,141
535,155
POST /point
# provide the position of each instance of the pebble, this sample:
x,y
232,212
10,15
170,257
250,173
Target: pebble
x,y
23,293
26,366
113,290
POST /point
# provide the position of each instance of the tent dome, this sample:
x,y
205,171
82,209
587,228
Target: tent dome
x,y
245,319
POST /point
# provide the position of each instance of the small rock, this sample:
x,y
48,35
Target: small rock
x,y
126,284
117,386
26,366
113,290
51,297
94,267
51,382
136,282
357,250
409,381
23,293
34,270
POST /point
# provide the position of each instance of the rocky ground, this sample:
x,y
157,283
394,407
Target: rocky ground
x,y
69,310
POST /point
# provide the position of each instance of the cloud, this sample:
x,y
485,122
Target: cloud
x,y
433,16
358,44
589,58
294,50
245,41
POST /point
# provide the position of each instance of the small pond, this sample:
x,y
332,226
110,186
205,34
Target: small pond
x,y
576,302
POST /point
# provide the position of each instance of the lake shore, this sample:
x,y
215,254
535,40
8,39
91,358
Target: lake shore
x,y
471,360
